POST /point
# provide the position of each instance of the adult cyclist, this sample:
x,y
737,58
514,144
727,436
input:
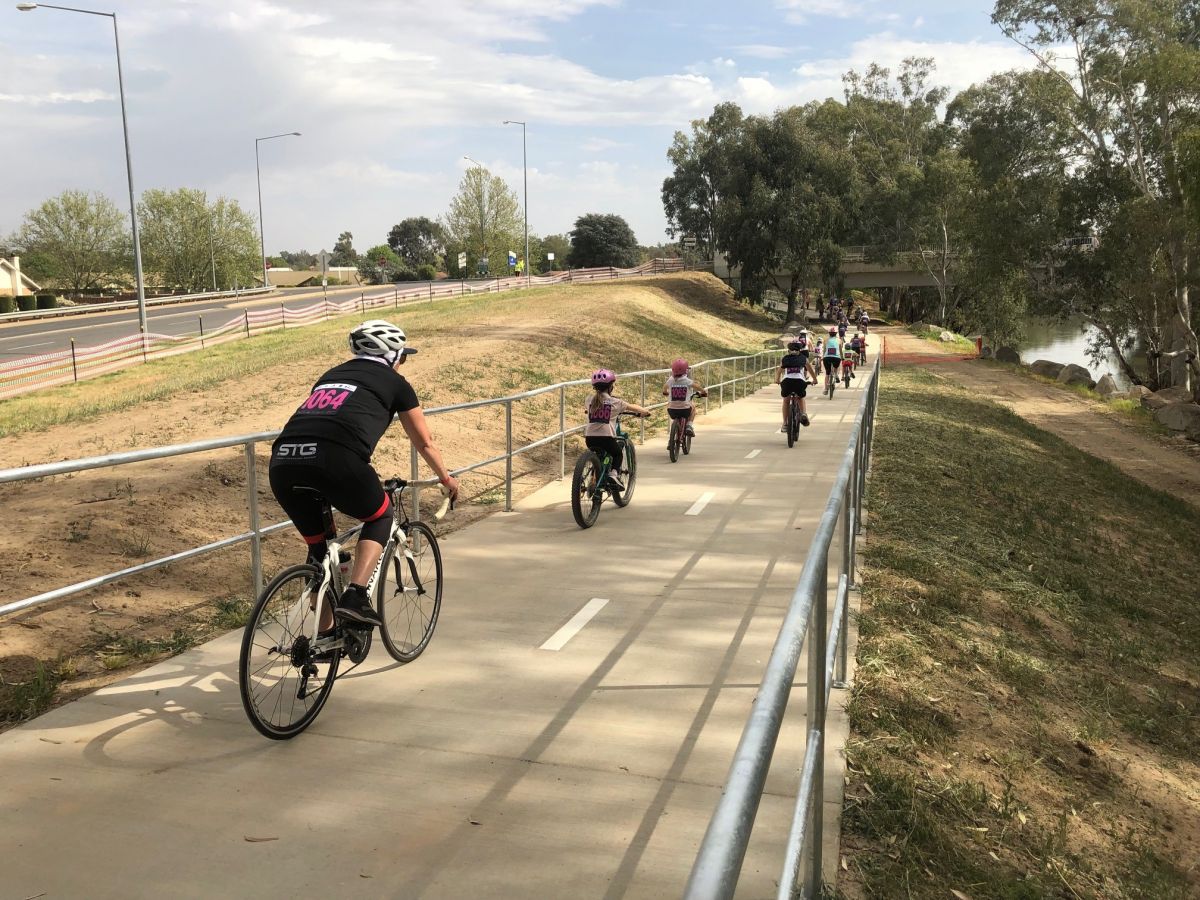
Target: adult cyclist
x,y
792,376
326,446
832,359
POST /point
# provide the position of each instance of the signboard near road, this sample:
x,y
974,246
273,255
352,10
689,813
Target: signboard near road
x,y
323,259
688,241
462,260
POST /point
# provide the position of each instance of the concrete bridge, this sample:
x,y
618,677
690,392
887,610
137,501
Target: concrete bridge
x,y
858,271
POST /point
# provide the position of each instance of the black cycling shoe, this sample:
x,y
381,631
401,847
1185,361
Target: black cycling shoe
x,y
355,608
804,419
614,484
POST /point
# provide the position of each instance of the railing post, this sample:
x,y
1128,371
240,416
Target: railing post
x,y
252,503
562,432
246,321
508,438
817,636
848,531
721,381
282,316
74,368
414,473
200,319
642,422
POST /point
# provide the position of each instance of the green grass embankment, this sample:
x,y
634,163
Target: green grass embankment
x,y
1026,714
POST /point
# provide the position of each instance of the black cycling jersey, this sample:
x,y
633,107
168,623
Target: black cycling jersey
x,y
352,405
795,364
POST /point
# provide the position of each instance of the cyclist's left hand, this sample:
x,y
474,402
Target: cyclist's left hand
x,y
451,487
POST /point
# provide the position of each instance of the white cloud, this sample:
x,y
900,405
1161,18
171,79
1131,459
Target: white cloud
x,y
764,51
799,12
724,62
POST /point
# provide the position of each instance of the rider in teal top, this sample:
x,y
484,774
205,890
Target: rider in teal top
x,y
833,353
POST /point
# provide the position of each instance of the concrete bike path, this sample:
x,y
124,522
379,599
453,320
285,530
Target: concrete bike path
x,y
527,753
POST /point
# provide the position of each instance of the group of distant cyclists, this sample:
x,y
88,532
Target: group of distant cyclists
x,y
324,451
838,355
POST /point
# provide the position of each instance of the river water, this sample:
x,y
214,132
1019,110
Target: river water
x,y
1067,342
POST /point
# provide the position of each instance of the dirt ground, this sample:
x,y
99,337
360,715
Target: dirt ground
x,y
93,522
1170,464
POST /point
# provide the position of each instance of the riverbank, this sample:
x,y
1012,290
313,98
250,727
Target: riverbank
x,y
1027,703
1165,462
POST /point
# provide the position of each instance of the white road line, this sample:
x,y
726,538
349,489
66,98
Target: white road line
x,y
559,639
27,346
698,507
752,454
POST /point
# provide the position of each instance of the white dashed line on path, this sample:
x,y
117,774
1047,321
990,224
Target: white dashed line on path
x,y
752,454
698,507
559,639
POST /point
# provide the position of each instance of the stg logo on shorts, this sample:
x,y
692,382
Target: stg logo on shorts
x,y
304,451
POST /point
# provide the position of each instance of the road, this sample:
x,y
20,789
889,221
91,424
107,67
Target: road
x,y
29,338
521,756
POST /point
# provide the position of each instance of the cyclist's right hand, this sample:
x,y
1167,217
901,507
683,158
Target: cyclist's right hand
x,y
450,487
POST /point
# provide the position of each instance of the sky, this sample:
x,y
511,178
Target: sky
x,y
390,95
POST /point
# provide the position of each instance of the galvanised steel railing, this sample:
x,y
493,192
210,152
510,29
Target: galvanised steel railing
x,y
718,865
736,376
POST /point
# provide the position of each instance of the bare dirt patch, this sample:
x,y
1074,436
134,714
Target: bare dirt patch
x,y
94,522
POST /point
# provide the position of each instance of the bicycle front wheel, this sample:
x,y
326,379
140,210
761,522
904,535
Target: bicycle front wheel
x,y
409,594
622,498
283,685
585,500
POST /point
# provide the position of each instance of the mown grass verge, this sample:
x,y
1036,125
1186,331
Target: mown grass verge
x,y
1027,709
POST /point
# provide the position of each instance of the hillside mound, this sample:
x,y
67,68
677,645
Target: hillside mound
x,y
100,521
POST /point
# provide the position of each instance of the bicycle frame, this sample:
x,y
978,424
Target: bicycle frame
x,y
606,462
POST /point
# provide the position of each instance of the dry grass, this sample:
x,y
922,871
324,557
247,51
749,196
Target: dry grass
x,y
1027,705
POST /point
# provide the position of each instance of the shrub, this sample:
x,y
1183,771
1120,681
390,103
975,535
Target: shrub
x,y
25,302
46,301
7,303
426,272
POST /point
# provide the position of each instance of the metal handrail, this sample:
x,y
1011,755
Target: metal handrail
x,y
752,367
718,864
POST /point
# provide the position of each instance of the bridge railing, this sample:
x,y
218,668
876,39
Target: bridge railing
x,y
726,379
718,865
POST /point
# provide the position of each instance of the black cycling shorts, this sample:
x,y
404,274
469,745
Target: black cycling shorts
x,y
831,364
678,413
793,387
609,445
339,475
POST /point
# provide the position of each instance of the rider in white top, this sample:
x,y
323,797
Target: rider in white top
x,y
680,388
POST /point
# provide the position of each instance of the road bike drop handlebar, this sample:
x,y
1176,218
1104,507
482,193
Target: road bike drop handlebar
x,y
396,486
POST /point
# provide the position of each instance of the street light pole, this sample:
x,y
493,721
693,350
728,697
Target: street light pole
x,y
137,241
262,244
525,171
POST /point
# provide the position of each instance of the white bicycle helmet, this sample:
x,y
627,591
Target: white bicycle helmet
x,y
379,338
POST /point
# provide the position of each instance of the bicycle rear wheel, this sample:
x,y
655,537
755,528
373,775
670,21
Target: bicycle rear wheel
x,y
687,442
409,593
793,424
622,498
585,502
282,685
673,441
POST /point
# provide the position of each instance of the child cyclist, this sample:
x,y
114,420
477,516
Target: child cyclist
x,y
832,357
680,389
792,376
602,411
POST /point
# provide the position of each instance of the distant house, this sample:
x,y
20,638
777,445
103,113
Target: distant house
x,y
13,281
281,277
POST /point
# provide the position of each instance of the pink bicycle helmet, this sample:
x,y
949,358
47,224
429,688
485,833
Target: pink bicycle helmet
x,y
603,376
679,367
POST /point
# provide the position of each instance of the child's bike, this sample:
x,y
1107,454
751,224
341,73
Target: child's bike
x,y
678,441
847,371
288,665
830,383
590,483
793,426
